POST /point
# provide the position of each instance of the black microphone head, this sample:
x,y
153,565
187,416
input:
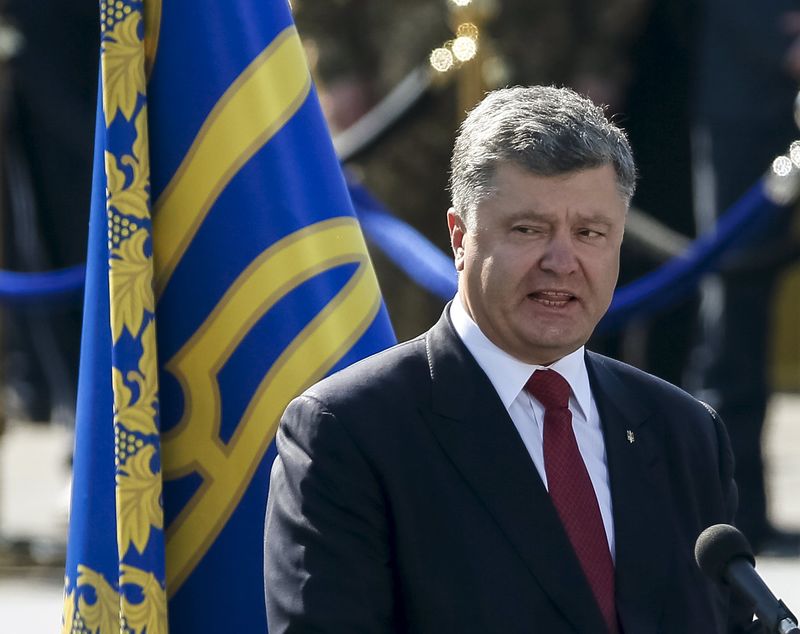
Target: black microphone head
x,y
717,546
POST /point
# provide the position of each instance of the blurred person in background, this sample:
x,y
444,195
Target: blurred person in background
x,y
747,73
654,109
48,92
49,97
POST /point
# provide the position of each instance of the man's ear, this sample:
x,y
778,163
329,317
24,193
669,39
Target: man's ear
x,y
457,228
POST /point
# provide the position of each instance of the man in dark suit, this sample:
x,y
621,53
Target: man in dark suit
x,y
491,475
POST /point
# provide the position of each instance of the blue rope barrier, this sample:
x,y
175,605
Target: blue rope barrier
x,y
421,260
429,267
42,287
677,278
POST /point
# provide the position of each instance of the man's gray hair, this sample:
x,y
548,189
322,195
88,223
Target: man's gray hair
x,y
543,129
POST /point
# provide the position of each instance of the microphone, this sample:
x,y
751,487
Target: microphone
x,y
724,554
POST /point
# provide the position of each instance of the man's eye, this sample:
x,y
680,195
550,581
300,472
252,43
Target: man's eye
x,y
526,229
590,233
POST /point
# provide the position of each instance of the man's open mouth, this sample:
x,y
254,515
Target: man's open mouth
x,y
552,299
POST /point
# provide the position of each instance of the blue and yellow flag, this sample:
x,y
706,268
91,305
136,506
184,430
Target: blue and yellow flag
x,y
251,282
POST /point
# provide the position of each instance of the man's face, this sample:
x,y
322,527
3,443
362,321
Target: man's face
x,y
538,269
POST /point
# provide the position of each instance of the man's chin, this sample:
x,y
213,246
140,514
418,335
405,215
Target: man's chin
x,y
546,351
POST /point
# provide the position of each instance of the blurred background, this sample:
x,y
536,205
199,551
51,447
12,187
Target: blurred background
x,y
704,88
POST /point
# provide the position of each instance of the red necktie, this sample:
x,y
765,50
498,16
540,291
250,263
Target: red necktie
x,y
571,490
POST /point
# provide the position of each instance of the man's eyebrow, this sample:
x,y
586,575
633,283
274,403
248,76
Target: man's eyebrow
x,y
530,214
597,217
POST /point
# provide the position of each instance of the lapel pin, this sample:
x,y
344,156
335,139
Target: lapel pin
x,y
631,437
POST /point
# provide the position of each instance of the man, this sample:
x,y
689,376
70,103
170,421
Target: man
x,y
491,475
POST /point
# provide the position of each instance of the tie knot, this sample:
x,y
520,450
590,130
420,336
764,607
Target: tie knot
x,y
549,388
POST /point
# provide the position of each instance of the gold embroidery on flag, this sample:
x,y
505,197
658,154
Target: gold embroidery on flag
x,y
122,61
138,414
140,504
130,197
95,607
95,604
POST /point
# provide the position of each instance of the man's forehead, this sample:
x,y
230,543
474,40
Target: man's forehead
x,y
592,192
503,169
589,215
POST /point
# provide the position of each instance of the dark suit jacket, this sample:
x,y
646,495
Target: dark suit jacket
x,y
403,500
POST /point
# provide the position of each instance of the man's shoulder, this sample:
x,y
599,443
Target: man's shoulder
x,y
648,388
376,402
402,368
687,429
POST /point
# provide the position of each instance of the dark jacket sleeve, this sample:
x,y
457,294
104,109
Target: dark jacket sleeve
x,y
326,547
725,461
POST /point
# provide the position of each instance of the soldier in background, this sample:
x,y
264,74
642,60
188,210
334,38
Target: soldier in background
x,y
48,131
748,69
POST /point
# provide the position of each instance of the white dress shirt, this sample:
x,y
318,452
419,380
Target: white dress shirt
x,y
509,375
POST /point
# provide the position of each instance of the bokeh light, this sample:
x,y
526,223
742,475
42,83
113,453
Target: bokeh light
x,y
441,59
465,48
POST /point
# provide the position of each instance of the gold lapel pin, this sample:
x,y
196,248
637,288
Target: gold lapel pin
x,y
631,437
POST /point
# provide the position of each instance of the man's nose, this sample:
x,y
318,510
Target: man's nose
x,y
559,256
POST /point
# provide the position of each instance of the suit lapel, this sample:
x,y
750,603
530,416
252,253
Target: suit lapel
x,y
475,431
633,455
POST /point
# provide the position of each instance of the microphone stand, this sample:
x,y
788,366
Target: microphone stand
x,y
772,612
788,624
780,622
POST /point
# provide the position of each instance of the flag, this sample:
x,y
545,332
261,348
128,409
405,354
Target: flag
x,y
226,273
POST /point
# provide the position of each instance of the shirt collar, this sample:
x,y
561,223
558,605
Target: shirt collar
x,y
508,374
